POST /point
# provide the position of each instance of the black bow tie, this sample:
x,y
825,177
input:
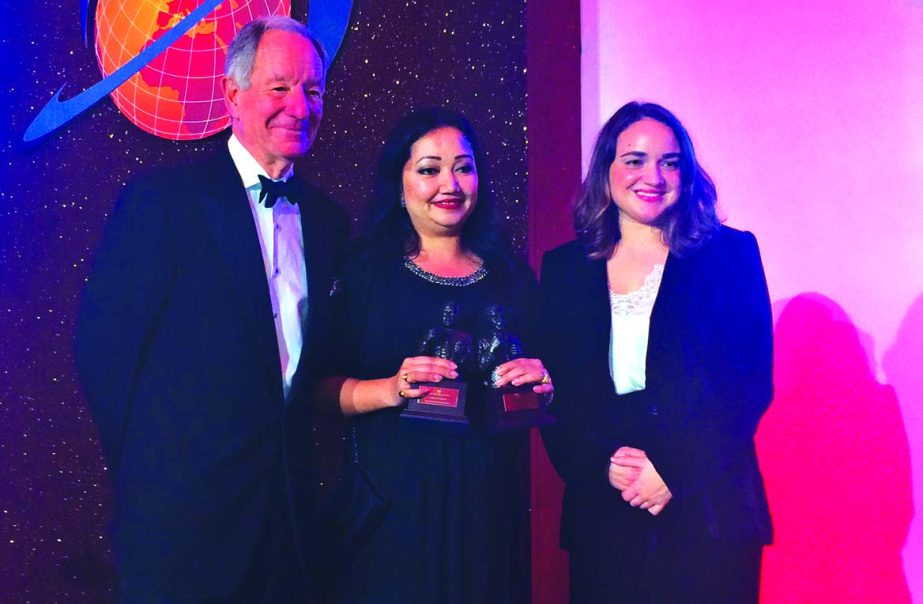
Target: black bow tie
x,y
272,190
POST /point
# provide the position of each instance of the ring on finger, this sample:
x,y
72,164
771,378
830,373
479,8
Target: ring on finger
x,y
546,379
405,375
402,394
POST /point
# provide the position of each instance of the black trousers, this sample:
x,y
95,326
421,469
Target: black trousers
x,y
274,577
611,565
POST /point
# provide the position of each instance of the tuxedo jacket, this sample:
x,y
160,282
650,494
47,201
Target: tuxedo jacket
x,y
708,382
177,353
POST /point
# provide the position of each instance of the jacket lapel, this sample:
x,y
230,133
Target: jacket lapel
x,y
671,337
591,288
230,220
313,237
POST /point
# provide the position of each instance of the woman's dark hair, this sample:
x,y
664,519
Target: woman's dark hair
x,y
686,225
391,224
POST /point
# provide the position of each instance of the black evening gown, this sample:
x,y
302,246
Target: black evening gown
x,y
457,530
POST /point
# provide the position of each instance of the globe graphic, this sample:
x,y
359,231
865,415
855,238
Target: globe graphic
x,y
178,94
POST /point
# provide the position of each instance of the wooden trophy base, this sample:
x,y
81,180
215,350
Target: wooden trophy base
x,y
515,408
444,403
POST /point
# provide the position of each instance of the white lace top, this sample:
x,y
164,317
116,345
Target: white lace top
x,y
631,319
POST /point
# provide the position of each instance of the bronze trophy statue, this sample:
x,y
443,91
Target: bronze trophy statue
x,y
506,407
445,401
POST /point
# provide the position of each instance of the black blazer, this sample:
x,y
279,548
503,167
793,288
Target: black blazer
x,y
709,380
177,353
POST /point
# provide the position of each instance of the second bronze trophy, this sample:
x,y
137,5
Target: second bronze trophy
x,y
474,400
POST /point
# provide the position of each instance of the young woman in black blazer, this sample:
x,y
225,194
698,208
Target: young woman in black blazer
x,y
659,335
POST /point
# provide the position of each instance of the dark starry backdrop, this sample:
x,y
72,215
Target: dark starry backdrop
x,y
55,196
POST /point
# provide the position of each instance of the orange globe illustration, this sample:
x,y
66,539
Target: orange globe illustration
x,y
178,94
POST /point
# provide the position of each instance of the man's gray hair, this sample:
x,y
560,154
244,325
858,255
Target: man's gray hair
x,y
242,51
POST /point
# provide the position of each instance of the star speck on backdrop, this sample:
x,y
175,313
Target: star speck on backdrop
x,y
397,55
55,195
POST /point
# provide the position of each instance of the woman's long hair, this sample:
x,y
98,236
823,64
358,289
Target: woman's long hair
x,y
391,225
686,225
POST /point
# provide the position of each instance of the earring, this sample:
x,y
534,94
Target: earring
x,y
403,203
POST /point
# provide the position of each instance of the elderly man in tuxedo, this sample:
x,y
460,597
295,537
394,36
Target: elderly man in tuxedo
x,y
202,327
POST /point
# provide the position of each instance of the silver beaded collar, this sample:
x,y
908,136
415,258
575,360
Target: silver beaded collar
x,y
465,281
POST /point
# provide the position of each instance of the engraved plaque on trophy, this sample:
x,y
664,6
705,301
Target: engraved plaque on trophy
x,y
445,401
506,407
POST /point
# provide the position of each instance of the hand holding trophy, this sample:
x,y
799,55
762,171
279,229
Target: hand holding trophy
x,y
508,406
445,401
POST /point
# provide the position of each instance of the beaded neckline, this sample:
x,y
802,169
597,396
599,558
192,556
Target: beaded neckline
x,y
464,281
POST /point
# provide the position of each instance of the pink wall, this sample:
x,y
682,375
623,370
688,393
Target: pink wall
x,y
809,116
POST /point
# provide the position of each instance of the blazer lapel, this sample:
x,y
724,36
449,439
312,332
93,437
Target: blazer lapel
x,y
592,293
313,237
227,212
670,337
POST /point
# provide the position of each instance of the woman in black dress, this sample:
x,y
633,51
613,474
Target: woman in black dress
x,y
659,335
456,529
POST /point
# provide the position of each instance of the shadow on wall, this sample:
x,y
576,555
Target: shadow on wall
x,y
901,363
836,459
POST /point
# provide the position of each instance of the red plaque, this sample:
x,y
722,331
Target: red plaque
x,y
444,403
515,408
520,400
442,397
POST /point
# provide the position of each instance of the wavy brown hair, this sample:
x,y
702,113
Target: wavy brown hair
x,y
686,225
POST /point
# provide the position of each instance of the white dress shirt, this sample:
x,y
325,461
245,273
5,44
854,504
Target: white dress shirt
x,y
282,244
631,322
